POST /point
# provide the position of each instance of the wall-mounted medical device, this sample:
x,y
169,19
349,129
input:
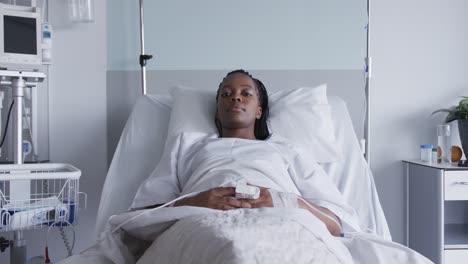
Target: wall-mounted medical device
x,y
20,35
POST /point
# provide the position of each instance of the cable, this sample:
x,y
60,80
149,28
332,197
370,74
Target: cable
x,y
33,143
6,124
164,205
364,115
45,186
364,122
322,213
70,249
142,213
65,241
153,209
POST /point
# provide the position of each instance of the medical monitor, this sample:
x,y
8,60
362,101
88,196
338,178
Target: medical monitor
x,y
20,35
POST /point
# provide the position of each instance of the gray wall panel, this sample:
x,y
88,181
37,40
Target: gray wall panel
x,y
261,34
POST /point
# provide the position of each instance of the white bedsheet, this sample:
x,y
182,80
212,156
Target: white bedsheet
x,y
210,236
196,162
143,139
353,176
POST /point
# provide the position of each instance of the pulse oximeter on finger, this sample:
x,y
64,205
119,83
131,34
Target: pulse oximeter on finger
x,y
244,191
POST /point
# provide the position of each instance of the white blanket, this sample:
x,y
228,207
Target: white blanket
x,y
197,162
267,235
248,236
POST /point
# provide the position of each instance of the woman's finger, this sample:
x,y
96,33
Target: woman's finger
x,y
236,203
257,205
227,207
262,201
224,191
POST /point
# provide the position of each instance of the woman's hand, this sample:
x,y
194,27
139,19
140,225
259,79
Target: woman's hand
x,y
263,201
221,198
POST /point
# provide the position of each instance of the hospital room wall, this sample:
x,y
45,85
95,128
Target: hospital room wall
x,y
420,58
78,132
77,114
198,44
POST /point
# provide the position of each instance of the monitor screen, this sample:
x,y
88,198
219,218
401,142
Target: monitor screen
x,y
19,35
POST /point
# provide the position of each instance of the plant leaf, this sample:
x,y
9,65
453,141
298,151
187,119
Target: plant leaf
x,y
463,115
451,117
442,110
457,112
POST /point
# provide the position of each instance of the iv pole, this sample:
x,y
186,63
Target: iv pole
x,y
368,71
143,57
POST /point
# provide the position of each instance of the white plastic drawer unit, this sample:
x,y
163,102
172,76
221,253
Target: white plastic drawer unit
x,y
455,256
456,185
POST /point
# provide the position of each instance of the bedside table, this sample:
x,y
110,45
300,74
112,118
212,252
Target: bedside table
x,y
437,211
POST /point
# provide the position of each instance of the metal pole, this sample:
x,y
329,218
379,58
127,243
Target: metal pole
x,y
367,134
18,86
142,47
18,247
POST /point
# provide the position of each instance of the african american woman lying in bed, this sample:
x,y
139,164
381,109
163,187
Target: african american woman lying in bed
x,y
245,150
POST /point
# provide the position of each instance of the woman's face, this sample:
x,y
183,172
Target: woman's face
x,y
238,105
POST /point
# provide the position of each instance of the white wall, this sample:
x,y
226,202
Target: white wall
x,y
78,105
420,57
77,116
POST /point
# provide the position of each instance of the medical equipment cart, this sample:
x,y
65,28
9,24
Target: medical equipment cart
x,y
35,195
53,199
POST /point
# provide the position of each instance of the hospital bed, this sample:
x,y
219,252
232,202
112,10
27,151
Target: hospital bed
x,y
139,150
143,140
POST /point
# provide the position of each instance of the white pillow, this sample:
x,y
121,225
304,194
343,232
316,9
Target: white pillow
x,y
301,115
139,150
192,111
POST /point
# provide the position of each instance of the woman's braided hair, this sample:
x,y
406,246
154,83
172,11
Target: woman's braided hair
x,y
261,128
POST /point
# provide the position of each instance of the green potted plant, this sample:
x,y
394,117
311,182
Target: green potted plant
x,y
459,113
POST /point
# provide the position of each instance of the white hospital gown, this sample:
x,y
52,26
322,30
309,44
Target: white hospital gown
x,y
198,162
